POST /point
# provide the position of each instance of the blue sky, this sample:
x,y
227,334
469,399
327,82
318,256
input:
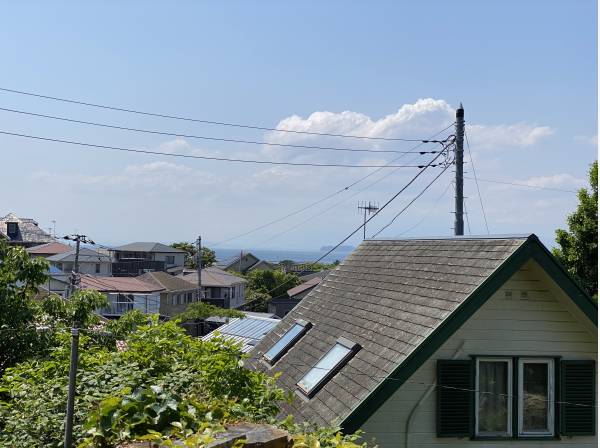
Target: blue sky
x,y
525,71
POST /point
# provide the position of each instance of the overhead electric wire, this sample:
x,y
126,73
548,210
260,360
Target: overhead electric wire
x,y
196,120
329,208
477,184
202,137
190,156
411,202
437,201
388,202
329,196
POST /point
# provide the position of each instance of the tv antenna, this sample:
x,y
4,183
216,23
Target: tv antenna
x,y
367,208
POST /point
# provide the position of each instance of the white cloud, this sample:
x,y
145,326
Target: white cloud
x,y
148,178
562,180
422,116
587,139
500,136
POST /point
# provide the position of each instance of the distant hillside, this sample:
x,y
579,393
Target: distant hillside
x,y
340,249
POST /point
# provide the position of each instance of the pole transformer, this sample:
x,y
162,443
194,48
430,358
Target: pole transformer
x,y
459,226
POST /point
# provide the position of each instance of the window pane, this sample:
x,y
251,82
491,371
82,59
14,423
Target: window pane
x,y
286,339
493,397
323,367
535,397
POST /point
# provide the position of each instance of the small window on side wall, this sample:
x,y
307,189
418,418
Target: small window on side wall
x,y
327,366
286,341
493,400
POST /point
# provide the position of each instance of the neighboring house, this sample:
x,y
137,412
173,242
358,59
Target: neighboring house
x,y
90,262
247,331
135,259
219,288
124,294
177,292
284,304
22,231
56,283
473,342
245,263
48,249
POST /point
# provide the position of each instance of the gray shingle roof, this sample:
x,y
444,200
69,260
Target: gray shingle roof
x,y
387,296
28,230
148,247
85,255
168,281
247,331
213,276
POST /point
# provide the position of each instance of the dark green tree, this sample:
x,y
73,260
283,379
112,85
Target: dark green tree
x,y
208,255
274,283
578,246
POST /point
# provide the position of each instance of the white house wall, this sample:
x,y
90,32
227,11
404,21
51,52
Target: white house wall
x,y
545,323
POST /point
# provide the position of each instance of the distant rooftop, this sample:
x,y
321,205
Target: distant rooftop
x,y
167,281
118,284
213,276
25,231
85,255
52,248
148,247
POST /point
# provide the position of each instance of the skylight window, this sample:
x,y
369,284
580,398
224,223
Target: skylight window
x,y
327,366
287,341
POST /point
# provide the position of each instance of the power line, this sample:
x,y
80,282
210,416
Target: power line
x,y
439,198
411,202
477,184
319,201
414,178
503,182
196,120
202,137
189,156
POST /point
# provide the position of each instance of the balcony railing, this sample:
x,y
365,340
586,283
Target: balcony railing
x,y
135,268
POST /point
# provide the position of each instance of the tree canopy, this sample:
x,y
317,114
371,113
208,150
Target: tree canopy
x,y
578,245
208,256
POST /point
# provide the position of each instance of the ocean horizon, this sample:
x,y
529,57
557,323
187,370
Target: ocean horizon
x,y
277,255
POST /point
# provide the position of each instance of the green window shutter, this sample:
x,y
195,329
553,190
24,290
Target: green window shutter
x,y
578,397
454,398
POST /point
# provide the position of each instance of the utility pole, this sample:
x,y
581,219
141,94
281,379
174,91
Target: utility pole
x,y
459,226
74,284
199,266
367,208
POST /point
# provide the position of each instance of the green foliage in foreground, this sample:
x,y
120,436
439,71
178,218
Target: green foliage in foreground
x,y
578,246
163,377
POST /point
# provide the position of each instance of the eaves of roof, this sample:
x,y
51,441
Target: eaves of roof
x,y
531,249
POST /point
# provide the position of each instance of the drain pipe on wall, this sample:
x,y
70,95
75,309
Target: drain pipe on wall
x,y
425,396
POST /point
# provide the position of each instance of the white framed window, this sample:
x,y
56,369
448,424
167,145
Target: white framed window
x,y
170,259
536,397
493,397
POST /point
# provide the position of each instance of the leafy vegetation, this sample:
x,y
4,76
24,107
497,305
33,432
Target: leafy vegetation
x,y
156,385
265,284
578,246
191,261
203,310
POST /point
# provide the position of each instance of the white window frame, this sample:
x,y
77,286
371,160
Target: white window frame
x,y
549,396
509,389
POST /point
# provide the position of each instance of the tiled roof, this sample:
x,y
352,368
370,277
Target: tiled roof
x,y
167,281
28,230
247,331
387,296
213,276
86,255
304,286
148,247
118,284
49,248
